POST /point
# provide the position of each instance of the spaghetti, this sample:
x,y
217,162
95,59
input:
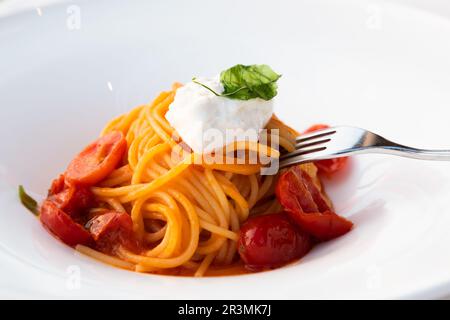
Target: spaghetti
x,y
186,213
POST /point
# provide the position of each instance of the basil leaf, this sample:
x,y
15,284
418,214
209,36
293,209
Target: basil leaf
x,y
28,201
248,82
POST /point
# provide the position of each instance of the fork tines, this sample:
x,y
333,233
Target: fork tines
x,y
310,142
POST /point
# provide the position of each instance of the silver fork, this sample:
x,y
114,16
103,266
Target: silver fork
x,y
345,141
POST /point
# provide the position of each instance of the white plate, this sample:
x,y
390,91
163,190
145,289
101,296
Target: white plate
x,y
384,67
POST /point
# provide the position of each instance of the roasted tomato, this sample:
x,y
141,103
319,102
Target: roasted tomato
x,y
58,185
62,225
329,166
270,241
73,200
98,160
299,196
112,229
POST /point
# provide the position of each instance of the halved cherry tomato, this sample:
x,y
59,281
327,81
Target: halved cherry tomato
x,y
270,241
57,186
329,166
98,160
73,200
112,229
306,205
62,225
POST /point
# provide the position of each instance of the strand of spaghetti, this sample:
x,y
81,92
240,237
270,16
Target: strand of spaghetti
x,y
161,97
252,146
126,122
231,246
220,258
214,243
228,175
171,203
120,172
230,190
161,108
146,189
133,149
104,257
284,130
199,178
244,188
137,127
116,192
268,180
173,233
204,265
238,182
160,250
145,159
244,169
155,236
197,197
185,256
205,216
262,206
111,125
116,205
254,190
220,195
219,231
274,207
117,180
286,144
148,143
200,200
154,170
155,125
138,220
212,207
152,215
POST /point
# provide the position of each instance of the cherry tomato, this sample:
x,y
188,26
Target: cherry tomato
x,y
98,160
317,127
111,229
62,225
73,200
270,241
329,166
306,205
57,186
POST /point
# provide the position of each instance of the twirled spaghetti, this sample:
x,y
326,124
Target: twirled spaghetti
x,y
189,214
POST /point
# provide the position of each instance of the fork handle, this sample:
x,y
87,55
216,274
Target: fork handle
x,y
385,146
404,151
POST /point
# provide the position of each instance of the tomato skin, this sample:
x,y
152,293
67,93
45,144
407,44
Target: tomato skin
x,y
111,229
306,205
271,241
317,127
328,166
58,185
97,160
73,200
62,225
